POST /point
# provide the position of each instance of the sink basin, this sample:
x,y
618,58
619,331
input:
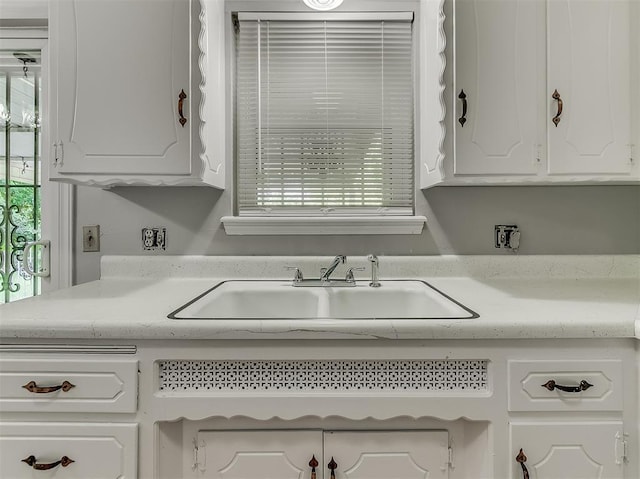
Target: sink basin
x,y
266,299
394,299
251,300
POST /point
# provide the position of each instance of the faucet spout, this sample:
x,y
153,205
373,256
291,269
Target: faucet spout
x,y
373,259
334,264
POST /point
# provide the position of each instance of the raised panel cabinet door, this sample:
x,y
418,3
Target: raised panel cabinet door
x,y
118,70
589,60
387,454
68,450
499,83
567,450
260,454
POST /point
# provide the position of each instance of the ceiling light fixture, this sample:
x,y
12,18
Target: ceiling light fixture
x,y
322,4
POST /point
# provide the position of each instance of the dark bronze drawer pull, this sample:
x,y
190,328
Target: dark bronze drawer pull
x,y
583,386
463,118
521,459
31,460
556,96
313,463
332,467
181,98
31,386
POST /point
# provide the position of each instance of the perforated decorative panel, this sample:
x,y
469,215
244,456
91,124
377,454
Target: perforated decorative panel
x,y
324,375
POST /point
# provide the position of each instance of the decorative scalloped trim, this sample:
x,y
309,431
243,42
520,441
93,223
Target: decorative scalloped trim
x,y
533,180
112,181
265,415
203,64
443,63
211,18
433,102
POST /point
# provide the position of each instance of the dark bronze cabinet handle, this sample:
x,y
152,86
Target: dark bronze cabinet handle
x,y
181,97
583,386
463,118
31,386
521,459
556,96
32,461
313,463
332,467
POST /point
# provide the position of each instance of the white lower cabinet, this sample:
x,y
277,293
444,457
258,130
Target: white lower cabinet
x,y
579,443
340,454
68,450
70,416
567,450
436,409
255,409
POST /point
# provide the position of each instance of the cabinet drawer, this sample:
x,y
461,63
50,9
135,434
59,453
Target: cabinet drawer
x,y
604,391
35,385
104,451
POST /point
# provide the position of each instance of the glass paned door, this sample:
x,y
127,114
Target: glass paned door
x,y
19,170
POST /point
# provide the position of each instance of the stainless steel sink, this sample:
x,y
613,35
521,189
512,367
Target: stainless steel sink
x,y
268,299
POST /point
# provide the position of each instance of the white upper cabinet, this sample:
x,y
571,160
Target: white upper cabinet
x,y
510,58
125,94
589,66
499,71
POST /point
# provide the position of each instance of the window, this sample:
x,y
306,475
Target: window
x,y
324,115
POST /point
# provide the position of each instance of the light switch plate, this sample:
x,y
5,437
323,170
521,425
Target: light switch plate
x,y
91,238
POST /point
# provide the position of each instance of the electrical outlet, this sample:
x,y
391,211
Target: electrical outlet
x,y
154,238
507,237
91,238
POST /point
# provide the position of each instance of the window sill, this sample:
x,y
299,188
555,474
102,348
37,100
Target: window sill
x,y
323,225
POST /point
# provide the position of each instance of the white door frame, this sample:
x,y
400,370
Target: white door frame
x,y
56,199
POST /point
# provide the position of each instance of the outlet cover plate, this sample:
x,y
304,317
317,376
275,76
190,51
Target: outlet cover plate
x,y
154,238
91,238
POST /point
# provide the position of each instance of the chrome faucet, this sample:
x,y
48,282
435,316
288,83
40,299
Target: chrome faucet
x,y
373,259
326,272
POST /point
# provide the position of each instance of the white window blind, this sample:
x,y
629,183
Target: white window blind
x,y
324,117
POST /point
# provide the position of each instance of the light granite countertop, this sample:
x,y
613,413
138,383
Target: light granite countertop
x,y
515,296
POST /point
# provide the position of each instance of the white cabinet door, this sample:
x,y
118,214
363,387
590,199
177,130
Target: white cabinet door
x,y
286,454
499,73
589,65
260,454
389,454
566,450
118,70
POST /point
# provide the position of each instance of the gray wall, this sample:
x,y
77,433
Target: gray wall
x,y
460,220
